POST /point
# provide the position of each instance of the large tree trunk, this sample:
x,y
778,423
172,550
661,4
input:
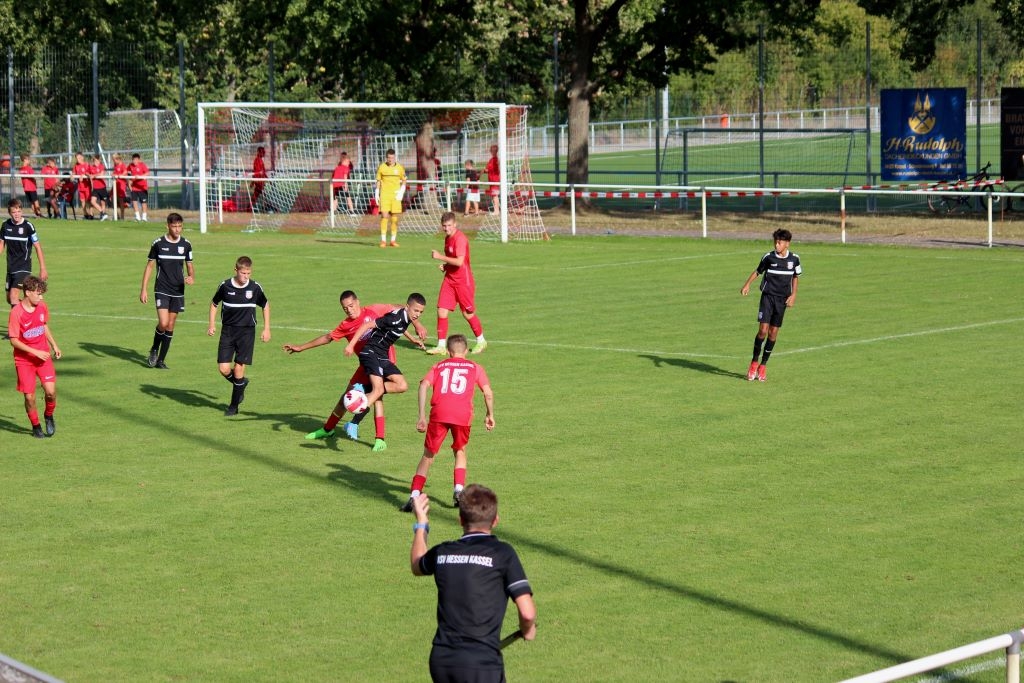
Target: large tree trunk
x,y
578,162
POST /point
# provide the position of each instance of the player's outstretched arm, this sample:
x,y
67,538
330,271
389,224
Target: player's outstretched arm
x,y
746,285
311,344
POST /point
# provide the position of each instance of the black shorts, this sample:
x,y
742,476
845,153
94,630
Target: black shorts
x,y
771,310
174,304
99,193
464,674
51,193
14,280
141,196
374,364
31,196
341,193
236,343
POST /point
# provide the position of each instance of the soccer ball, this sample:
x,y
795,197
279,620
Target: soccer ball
x,y
355,401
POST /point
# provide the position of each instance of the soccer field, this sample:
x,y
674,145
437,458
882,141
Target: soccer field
x,y
676,522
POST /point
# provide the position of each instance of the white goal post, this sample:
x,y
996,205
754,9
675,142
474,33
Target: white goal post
x,y
302,142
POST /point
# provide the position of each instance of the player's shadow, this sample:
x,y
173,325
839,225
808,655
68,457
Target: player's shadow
x,y
8,426
119,352
391,491
295,422
694,365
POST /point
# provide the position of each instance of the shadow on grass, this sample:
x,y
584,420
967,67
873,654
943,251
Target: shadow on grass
x,y
695,365
393,492
119,352
8,426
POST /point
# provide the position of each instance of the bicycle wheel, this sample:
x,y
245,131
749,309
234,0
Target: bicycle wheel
x,y
983,196
1015,203
941,203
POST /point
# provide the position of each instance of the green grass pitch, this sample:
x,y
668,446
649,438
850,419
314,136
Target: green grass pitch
x,y
859,509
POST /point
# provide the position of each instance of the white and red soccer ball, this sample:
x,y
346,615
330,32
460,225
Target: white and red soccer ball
x,y
355,401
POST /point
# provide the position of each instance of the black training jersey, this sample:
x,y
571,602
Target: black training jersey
x,y
170,260
239,303
390,327
18,239
476,576
778,272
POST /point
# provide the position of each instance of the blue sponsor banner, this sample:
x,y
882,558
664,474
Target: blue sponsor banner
x,y
924,134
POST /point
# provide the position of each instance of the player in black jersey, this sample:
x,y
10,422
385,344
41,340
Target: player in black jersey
x,y
476,576
239,297
379,335
18,238
781,270
171,256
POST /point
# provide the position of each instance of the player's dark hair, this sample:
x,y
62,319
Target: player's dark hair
x,y
347,294
136,156
457,340
14,203
478,506
243,262
447,216
391,150
782,234
174,218
33,284
416,298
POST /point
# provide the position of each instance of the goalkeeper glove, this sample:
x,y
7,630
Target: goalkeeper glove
x,y
376,195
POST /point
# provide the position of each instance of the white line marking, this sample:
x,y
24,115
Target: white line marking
x,y
957,674
667,259
905,335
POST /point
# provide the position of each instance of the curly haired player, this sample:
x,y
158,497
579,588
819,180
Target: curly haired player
x,y
781,270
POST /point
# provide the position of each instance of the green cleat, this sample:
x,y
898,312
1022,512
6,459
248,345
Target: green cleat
x,y
320,434
480,346
379,445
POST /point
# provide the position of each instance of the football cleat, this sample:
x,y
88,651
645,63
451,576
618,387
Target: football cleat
x,y
383,245
762,373
320,434
752,371
437,350
37,432
352,431
231,410
151,361
160,365
379,445
480,346
408,506
51,426
358,387
394,243
457,497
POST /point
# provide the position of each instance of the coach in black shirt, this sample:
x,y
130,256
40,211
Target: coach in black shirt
x,y
476,576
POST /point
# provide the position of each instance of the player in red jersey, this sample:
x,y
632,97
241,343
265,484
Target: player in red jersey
x,y
493,169
451,410
458,288
355,316
259,171
120,172
140,187
339,188
28,184
32,340
80,174
98,196
50,172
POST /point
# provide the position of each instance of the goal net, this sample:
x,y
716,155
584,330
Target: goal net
x,y
154,134
299,145
784,158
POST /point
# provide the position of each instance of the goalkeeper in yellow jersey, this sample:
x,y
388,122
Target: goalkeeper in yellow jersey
x,y
389,193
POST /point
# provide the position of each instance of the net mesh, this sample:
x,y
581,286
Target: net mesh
x,y
154,134
302,146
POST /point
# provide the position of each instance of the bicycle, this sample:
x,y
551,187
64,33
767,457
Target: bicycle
x,y
1015,203
968,193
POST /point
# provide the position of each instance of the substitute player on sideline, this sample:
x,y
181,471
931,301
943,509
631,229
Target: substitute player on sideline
x,y
171,255
390,192
239,297
476,576
29,331
451,410
458,288
355,316
781,270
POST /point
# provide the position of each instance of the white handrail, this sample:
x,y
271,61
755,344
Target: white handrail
x,y
1008,641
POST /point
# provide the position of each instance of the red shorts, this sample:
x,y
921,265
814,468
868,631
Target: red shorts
x,y
359,377
453,295
28,371
435,436
84,193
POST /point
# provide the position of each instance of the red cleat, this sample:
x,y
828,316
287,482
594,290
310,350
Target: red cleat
x,y
752,371
762,373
